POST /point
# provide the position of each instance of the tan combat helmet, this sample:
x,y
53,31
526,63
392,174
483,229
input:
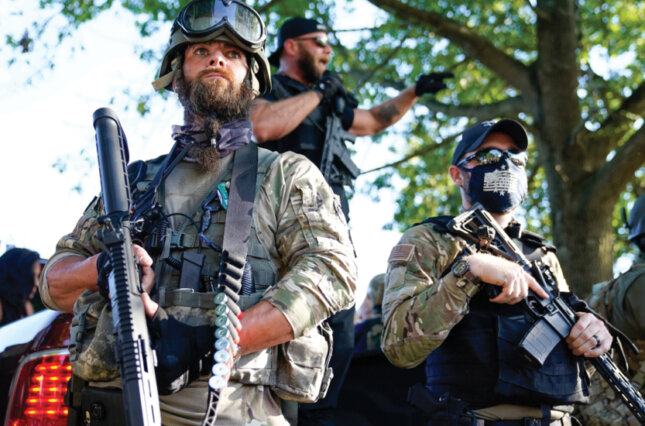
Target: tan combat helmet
x,y
226,20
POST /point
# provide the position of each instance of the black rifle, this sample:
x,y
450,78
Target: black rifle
x,y
133,350
336,164
552,318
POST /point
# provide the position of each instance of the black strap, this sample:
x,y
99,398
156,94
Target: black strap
x,y
149,196
237,230
237,227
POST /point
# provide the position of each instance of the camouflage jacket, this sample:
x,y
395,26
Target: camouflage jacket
x,y
296,218
620,301
421,304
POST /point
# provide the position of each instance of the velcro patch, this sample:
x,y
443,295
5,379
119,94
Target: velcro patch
x,y
401,253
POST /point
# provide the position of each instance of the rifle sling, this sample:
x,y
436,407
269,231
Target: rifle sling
x,y
237,226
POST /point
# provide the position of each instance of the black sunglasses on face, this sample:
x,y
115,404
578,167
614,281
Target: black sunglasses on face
x,y
321,40
494,155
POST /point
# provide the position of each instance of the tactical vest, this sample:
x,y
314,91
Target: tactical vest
x,y
296,370
308,138
196,308
184,238
478,364
92,336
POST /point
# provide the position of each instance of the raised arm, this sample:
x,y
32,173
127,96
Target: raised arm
x,y
274,120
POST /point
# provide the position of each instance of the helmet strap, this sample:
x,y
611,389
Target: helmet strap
x,y
168,78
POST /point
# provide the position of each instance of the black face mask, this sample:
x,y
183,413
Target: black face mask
x,y
499,187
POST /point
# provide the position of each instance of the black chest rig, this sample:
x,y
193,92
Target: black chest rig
x,y
308,138
478,362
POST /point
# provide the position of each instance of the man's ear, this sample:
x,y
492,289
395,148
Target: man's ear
x,y
456,175
290,46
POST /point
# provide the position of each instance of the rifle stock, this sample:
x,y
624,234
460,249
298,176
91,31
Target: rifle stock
x,y
553,317
134,352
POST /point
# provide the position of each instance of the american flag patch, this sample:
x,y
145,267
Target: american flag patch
x,y
401,253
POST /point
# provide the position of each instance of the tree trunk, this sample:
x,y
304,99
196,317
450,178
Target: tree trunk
x,y
583,235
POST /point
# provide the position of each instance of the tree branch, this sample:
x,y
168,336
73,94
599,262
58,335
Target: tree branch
x,y
474,46
421,151
631,108
262,10
390,55
507,107
538,12
617,172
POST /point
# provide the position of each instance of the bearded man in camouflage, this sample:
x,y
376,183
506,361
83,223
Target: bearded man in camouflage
x,y
302,261
435,310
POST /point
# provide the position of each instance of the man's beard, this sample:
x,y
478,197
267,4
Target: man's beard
x,y
307,63
217,104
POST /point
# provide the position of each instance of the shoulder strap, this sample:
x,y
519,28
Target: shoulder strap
x,y
278,88
534,239
439,223
237,226
144,201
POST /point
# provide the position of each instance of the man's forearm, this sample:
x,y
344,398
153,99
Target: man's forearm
x,y
378,118
263,326
70,277
274,120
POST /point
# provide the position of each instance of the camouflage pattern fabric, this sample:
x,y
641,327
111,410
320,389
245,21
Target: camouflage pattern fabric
x,y
420,307
621,302
297,220
238,405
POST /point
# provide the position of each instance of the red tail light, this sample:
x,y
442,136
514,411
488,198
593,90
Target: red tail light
x,y
38,393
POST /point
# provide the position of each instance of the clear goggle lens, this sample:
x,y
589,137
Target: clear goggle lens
x,y
205,16
494,155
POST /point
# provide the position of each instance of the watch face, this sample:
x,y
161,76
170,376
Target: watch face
x,y
460,268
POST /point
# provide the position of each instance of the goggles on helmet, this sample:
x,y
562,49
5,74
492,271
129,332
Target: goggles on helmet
x,y
203,17
494,155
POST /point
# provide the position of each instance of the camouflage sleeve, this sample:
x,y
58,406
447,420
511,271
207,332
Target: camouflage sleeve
x,y
420,307
311,238
552,260
631,312
80,242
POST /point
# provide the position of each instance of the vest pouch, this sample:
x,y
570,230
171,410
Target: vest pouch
x,y
303,366
561,380
92,339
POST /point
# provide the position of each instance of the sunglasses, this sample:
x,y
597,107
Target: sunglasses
x,y
321,40
494,155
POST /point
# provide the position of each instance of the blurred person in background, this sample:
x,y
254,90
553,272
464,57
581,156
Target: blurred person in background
x,y
19,271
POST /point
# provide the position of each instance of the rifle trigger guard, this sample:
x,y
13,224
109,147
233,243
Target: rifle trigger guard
x,y
485,235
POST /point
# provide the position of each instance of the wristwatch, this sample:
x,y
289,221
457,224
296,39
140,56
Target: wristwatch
x,y
461,269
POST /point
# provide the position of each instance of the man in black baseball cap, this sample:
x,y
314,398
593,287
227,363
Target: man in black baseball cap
x,y
293,28
438,309
489,163
294,116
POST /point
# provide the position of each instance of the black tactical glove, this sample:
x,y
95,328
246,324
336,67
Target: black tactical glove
x,y
431,83
103,267
330,85
184,352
